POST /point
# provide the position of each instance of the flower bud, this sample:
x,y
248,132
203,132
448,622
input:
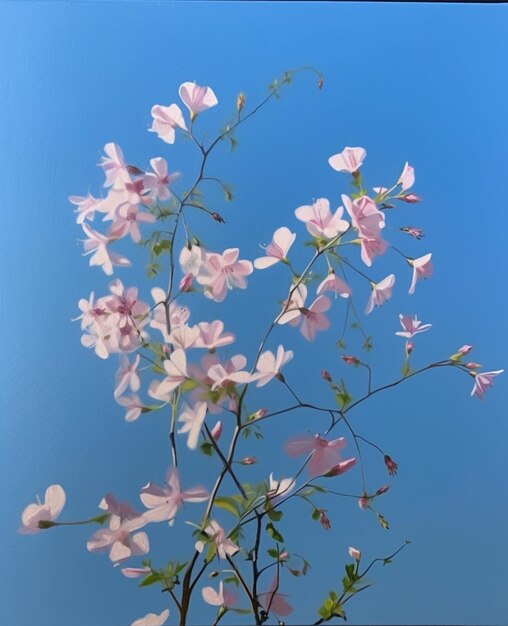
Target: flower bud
x,y
473,366
186,282
350,360
391,466
283,556
354,553
258,414
409,347
342,467
465,350
218,218
417,233
382,490
326,376
240,101
321,82
216,431
248,460
411,198
364,501
323,519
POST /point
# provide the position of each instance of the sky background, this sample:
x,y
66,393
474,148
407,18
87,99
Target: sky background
x,y
423,83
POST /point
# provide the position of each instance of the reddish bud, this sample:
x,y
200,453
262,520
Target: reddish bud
x,y
409,347
391,466
465,350
473,366
417,233
364,501
342,467
350,360
217,431
323,519
186,282
382,490
218,218
326,375
283,556
411,198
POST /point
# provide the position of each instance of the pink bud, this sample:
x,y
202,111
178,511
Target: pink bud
x,y
382,490
283,555
259,413
409,347
186,282
391,466
354,553
412,198
364,501
342,467
350,360
473,366
217,431
326,375
248,460
325,522
465,350
218,218
417,233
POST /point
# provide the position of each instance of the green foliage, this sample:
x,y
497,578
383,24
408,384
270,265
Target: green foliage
x,y
228,504
274,533
342,395
331,608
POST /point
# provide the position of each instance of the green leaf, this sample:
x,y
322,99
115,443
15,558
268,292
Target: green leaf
x,y
274,533
206,448
152,269
316,514
274,515
153,577
228,504
233,580
273,553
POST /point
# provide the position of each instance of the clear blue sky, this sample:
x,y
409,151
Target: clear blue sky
x,y
424,83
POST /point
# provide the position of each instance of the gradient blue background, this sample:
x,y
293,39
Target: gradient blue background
x,y
424,83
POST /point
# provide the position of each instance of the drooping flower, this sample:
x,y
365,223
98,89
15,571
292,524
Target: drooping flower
x,y
192,419
118,541
319,220
277,250
371,247
341,467
152,619
216,431
220,272
324,453
422,268
127,375
163,502
333,283
54,502
225,547
411,326
166,120
223,597
133,406
197,98
483,381
269,365
86,207
349,160
381,292
275,602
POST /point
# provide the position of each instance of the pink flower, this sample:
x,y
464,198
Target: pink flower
x,y
349,160
292,308
232,371
176,369
184,336
223,545
152,619
365,216
163,502
127,375
269,365
220,272
319,220
54,502
324,454
197,98
411,326
86,207
333,283
192,419
381,292
482,382
354,553
341,467
114,166
186,282
191,260
92,312
177,314
212,335
274,602
422,268
127,220
223,597
110,505
158,183
465,350
166,120
371,247
314,318
407,178
97,243
277,250
133,405
118,541
391,466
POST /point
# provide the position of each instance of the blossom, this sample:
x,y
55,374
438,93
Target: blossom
x,y
314,318
197,98
220,272
97,243
127,375
216,431
190,259
86,206
176,369
163,502
220,374
482,382
349,160
126,222
192,419
277,250
130,315
391,466
411,326
292,308
225,547
381,292
465,349
354,553
269,365
273,601
54,502
407,178
184,336
333,283
422,268
212,335
365,216
278,489
341,467
92,312
152,619
166,120
324,454
133,405
158,183
319,220
110,505
223,597
118,541
114,166
177,314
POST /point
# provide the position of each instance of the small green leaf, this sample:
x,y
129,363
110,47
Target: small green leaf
x,y
274,533
153,577
274,514
228,504
206,448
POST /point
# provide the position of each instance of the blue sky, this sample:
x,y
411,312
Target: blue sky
x,y
423,83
